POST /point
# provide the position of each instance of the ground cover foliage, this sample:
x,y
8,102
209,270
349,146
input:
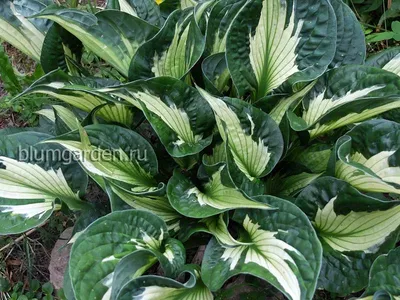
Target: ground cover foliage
x,y
255,128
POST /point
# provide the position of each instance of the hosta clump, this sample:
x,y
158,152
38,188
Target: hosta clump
x,y
255,130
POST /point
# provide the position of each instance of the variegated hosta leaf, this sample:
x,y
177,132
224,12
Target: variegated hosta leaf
x,y
282,249
48,113
314,157
105,243
61,50
279,110
82,94
176,111
253,138
24,145
388,60
147,10
28,194
216,74
66,117
109,151
217,195
368,157
345,96
152,287
156,204
354,230
385,276
113,35
221,18
20,215
272,41
24,34
218,155
350,46
172,52
294,183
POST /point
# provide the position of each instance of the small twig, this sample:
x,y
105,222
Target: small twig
x,y
17,240
389,4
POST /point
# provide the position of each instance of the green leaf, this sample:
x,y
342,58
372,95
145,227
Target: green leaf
x,y
350,46
388,60
176,111
216,74
114,153
8,77
59,47
216,195
283,250
99,249
156,204
270,42
25,35
112,35
354,229
368,157
66,118
83,94
220,20
172,52
384,275
253,138
25,146
147,10
28,194
155,287
345,96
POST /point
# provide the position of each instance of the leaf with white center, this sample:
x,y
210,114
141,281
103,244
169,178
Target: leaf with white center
x,y
114,153
20,180
218,155
344,96
350,46
215,196
23,33
158,205
25,146
81,93
272,41
99,249
282,248
347,220
28,194
288,103
293,184
137,263
172,52
385,275
216,74
314,157
113,35
176,111
48,113
221,18
368,160
253,138
388,60
147,10
20,215
65,120
152,287
355,231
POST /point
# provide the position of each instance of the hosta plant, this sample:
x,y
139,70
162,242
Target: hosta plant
x,y
233,138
